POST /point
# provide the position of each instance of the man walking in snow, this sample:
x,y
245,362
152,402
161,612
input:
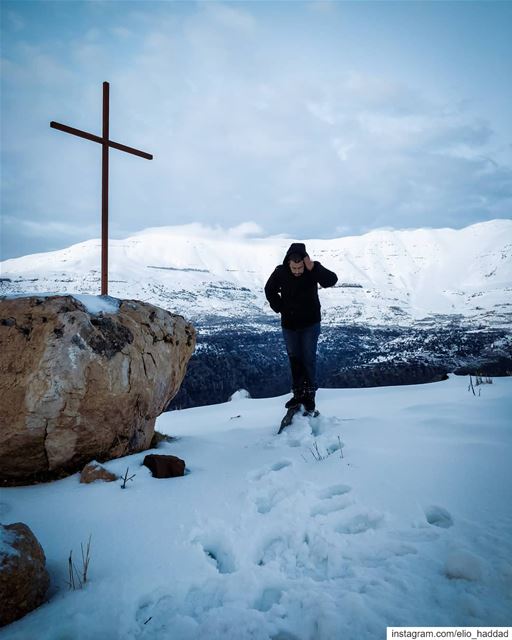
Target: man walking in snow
x,y
292,291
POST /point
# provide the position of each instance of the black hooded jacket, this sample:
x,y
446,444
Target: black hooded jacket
x,y
296,297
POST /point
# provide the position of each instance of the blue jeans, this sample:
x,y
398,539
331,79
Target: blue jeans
x,y
301,347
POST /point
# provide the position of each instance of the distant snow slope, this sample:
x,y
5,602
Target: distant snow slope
x,y
409,523
397,277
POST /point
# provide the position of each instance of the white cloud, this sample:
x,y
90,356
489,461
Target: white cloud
x,y
15,21
66,231
121,32
240,131
249,229
291,200
246,230
323,6
229,16
92,35
324,111
91,55
342,148
35,66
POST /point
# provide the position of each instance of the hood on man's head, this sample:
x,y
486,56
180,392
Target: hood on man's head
x,y
297,249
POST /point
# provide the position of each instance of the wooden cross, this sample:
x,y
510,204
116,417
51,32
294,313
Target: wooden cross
x,y
105,143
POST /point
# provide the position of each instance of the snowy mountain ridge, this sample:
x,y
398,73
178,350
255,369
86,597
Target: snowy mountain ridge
x,y
211,275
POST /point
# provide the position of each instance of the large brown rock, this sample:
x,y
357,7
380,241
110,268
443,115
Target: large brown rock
x,y
76,385
24,580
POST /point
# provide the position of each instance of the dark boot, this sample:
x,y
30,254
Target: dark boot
x,y
296,400
308,400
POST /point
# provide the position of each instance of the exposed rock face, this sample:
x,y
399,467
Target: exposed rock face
x,y
76,385
24,580
94,471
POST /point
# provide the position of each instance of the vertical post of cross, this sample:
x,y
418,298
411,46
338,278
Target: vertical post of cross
x,y
105,144
104,191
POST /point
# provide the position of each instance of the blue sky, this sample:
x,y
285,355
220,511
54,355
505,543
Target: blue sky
x,y
310,119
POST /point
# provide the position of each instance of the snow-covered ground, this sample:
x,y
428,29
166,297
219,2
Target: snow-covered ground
x,y
409,523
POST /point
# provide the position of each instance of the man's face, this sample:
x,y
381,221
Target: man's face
x,y
297,268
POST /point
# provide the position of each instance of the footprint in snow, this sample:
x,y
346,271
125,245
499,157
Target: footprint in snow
x,y
438,517
330,506
153,607
277,466
268,598
332,499
335,490
221,559
361,523
273,551
280,465
293,555
267,502
218,553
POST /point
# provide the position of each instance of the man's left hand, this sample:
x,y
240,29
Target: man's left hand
x,y
308,263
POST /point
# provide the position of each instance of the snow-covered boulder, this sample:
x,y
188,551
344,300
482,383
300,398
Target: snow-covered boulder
x,y
24,579
83,381
241,394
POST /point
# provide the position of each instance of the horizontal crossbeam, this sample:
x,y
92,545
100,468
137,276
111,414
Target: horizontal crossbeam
x,y
93,138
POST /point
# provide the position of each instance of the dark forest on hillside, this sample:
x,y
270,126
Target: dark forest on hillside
x,y
351,356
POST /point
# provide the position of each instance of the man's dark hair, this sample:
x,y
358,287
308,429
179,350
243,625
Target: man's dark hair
x,y
295,257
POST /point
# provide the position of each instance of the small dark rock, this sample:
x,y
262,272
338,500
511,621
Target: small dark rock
x,y
164,466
